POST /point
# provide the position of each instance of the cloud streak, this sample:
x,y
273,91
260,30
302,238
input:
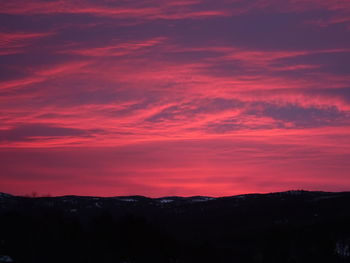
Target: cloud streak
x,y
207,98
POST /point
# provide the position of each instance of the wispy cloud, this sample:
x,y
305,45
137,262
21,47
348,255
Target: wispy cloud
x,y
193,93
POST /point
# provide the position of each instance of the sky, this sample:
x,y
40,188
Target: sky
x,y
185,97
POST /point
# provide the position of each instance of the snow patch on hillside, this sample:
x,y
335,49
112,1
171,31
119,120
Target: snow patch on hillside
x,y
4,258
164,201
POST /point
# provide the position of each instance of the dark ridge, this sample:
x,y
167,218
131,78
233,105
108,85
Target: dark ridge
x,y
292,227
295,192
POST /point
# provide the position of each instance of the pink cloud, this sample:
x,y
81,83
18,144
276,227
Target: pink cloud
x,y
163,98
156,10
15,42
183,167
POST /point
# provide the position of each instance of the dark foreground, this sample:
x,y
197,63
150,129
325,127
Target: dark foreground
x,y
295,226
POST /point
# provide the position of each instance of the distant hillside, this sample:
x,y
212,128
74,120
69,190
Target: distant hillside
x,y
291,227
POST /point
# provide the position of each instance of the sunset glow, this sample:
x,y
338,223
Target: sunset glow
x,y
187,97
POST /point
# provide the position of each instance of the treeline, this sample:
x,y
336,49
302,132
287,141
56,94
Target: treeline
x,y
256,230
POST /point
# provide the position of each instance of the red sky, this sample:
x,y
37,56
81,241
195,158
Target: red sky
x,y
186,97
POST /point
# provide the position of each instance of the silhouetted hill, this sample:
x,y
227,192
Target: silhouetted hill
x,y
292,227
